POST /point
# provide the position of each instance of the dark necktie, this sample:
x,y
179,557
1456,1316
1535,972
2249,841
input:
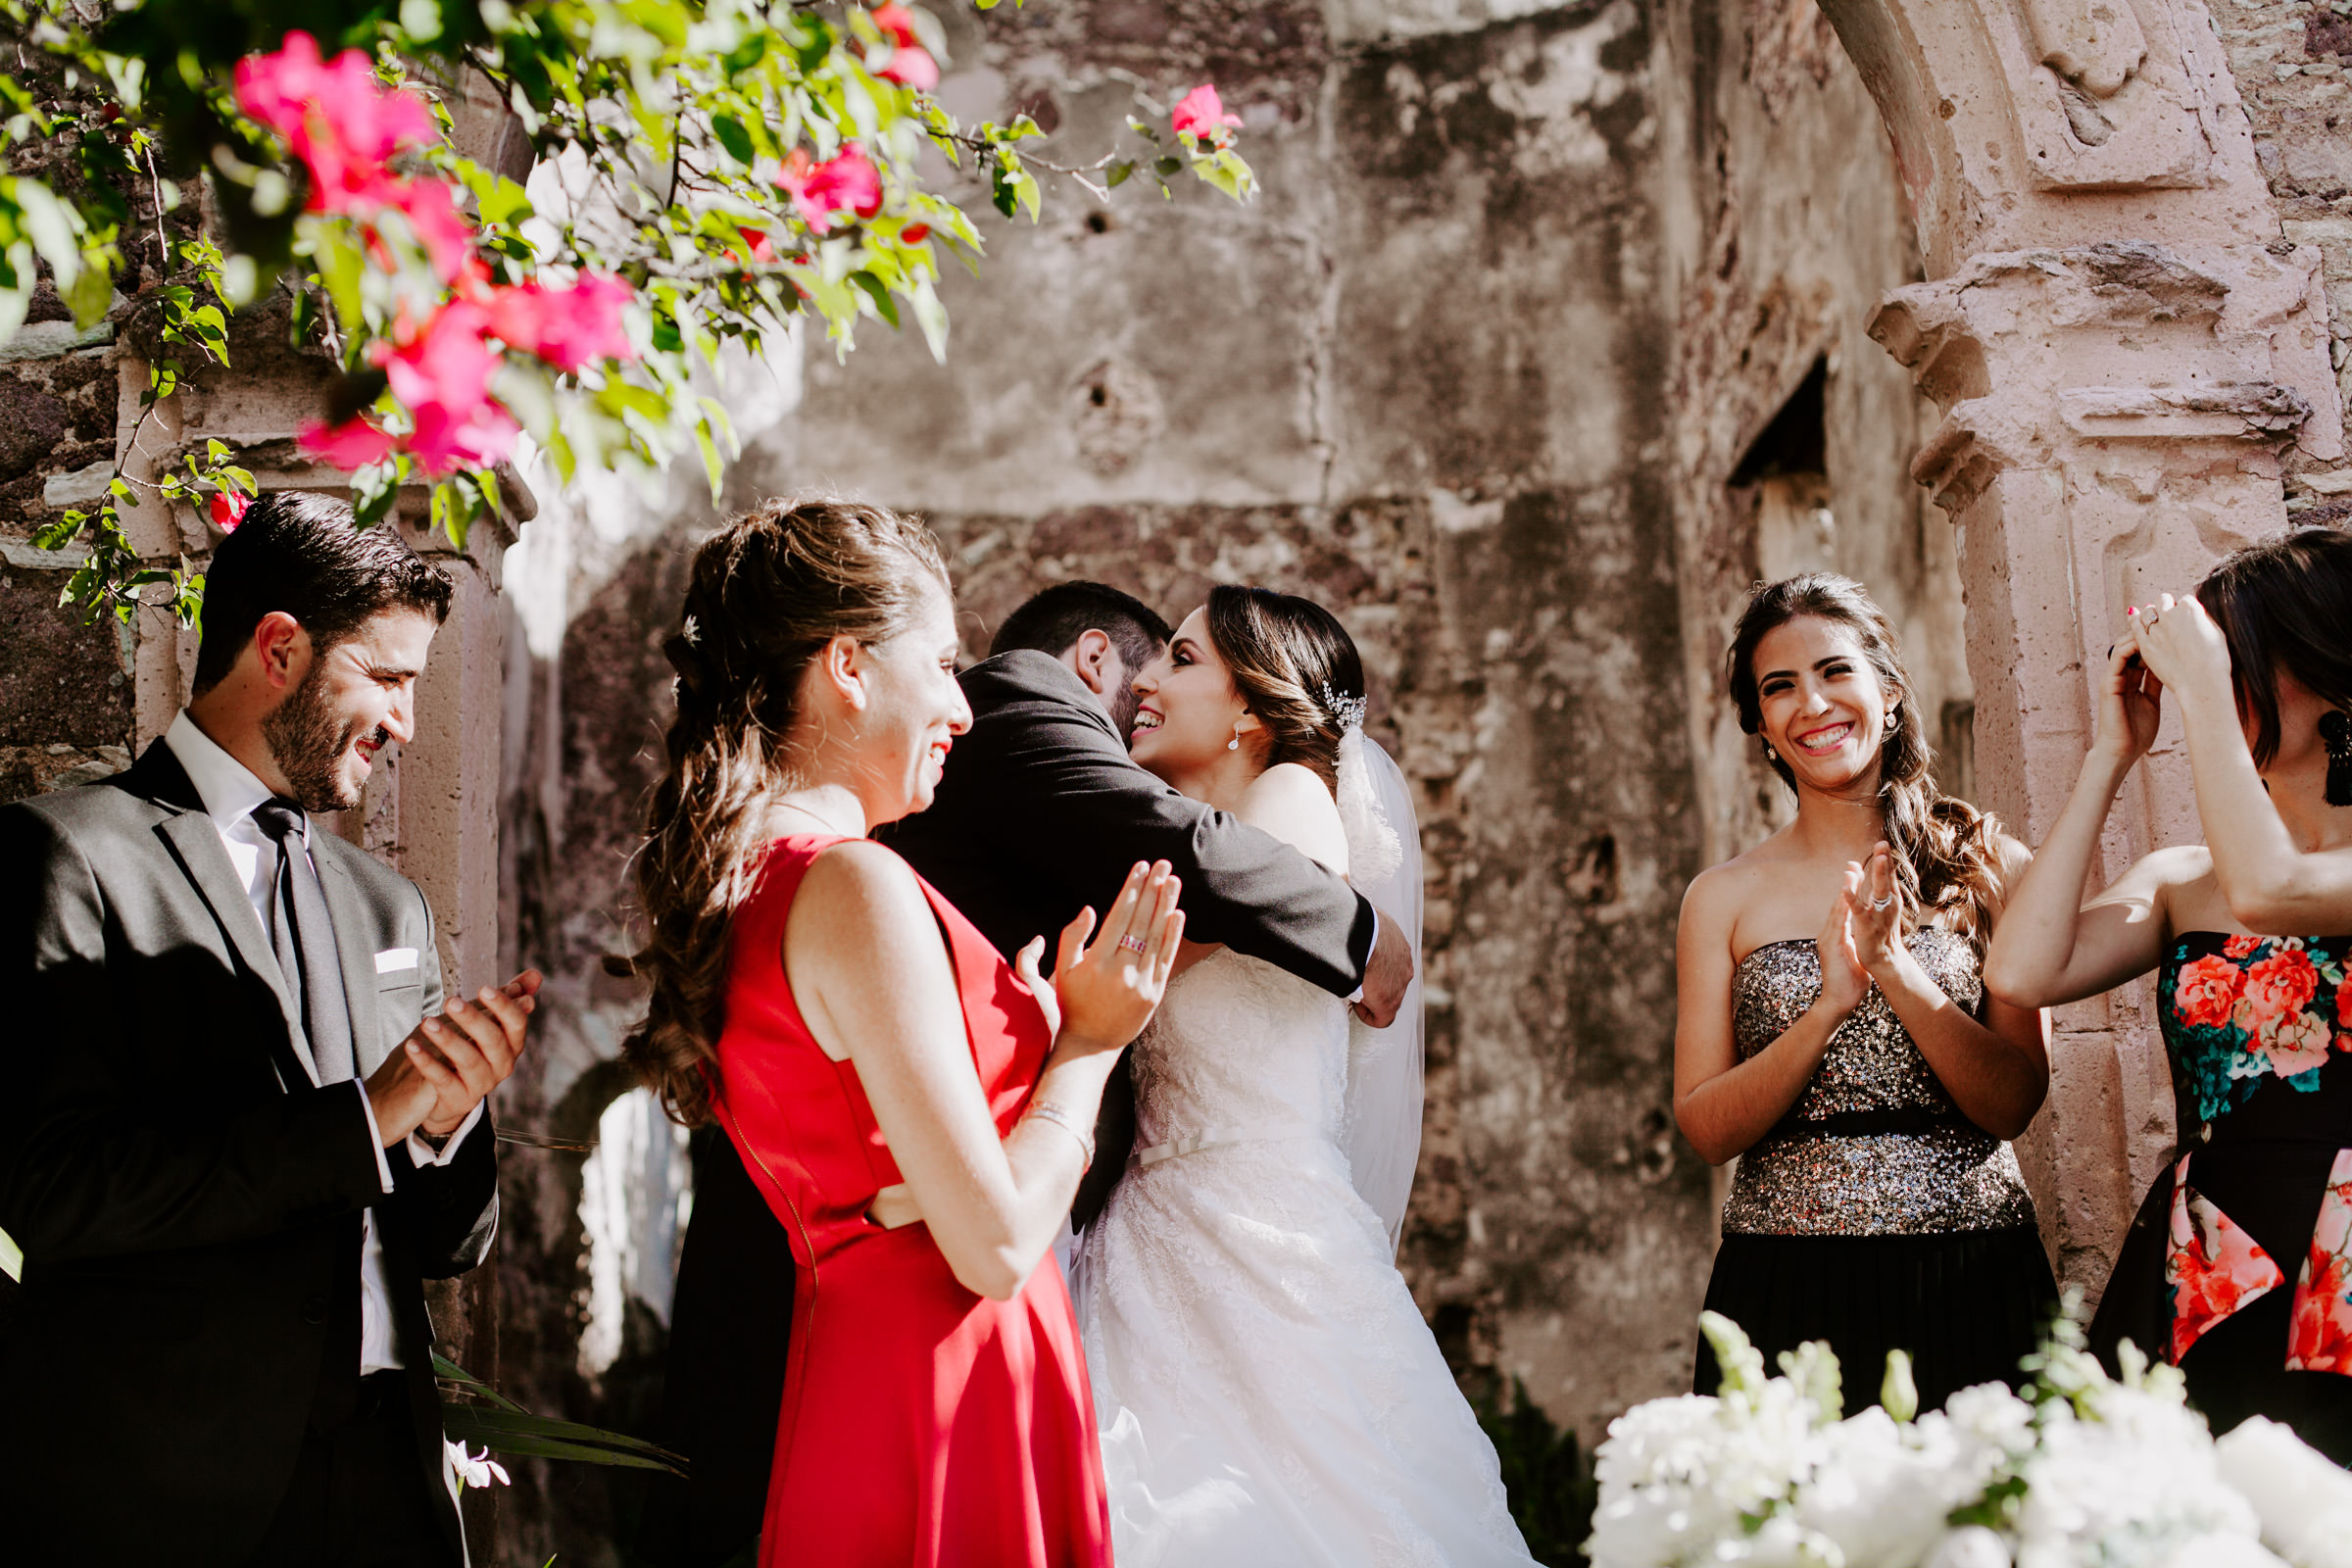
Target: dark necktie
x,y
305,940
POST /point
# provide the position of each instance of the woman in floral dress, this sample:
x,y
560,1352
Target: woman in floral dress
x,y
2235,1269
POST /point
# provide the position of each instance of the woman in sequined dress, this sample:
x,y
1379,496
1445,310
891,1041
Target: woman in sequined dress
x,y
2239,1267
1834,1035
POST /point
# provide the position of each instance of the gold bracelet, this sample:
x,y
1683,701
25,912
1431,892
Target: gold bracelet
x,y
1047,1110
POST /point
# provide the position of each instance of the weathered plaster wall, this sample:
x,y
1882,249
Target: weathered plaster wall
x,y
1789,223
1427,382
1475,373
2292,63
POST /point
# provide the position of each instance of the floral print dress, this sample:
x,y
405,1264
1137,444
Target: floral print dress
x,y
2238,1269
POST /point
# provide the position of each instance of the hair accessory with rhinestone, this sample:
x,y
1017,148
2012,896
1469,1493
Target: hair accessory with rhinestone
x,y
1348,711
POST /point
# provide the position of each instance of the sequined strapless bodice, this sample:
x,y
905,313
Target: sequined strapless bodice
x,y
1873,1146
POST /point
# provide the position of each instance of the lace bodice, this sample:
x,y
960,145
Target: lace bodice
x,y
1239,1048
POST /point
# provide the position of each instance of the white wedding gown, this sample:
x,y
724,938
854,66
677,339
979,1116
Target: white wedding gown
x,y
1267,1391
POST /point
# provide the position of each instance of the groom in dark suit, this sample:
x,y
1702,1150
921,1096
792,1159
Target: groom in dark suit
x,y
1039,812
241,1122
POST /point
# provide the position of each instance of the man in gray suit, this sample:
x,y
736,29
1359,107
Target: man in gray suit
x,y
240,1123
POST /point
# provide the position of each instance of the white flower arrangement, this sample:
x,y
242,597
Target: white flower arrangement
x,y
2084,1471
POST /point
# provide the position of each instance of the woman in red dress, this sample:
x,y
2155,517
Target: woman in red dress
x,y
873,1059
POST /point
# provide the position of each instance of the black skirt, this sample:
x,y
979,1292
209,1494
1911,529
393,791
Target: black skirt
x,y
1968,1305
2236,1368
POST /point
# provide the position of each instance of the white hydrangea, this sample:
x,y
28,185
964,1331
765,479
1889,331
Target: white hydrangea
x,y
2303,1500
2129,1486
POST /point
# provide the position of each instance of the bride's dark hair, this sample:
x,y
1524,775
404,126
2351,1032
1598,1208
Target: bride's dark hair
x,y
1288,657
1948,856
768,591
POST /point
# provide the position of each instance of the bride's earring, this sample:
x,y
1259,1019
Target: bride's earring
x,y
1235,744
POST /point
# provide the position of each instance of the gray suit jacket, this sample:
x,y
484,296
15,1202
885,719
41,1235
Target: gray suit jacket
x,y
186,1194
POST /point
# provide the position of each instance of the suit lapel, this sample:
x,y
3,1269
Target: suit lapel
x,y
195,845
347,907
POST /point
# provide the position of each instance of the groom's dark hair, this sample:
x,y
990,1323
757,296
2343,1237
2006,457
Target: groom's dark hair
x,y
306,555
1054,619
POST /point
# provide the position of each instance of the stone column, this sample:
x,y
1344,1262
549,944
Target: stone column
x,y
2129,356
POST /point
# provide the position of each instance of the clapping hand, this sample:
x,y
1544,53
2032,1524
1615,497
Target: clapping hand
x,y
1845,982
449,1063
1104,994
1870,893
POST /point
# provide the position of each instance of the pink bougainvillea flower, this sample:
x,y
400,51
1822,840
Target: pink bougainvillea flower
x,y
568,328
897,21
444,443
1201,114
847,181
762,250
910,66
356,443
431,212
340,120
228,508
2206,992
442,373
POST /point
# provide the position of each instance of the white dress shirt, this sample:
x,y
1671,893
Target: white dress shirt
x,y
230,793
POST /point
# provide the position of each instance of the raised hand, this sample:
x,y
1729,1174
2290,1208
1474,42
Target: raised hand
x,y
1108,991
2131,702
2180,643
1877,922
1843,980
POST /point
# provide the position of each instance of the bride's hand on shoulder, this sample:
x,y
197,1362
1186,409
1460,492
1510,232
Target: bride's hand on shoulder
x,y
1108,989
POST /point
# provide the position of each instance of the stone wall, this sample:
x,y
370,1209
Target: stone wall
x,y
1504,368
2292,63
1478,372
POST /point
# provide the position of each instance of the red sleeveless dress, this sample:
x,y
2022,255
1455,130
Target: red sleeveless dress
x,y
922,1424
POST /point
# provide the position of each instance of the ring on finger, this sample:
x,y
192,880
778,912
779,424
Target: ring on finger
x,y
1132,943
1883,904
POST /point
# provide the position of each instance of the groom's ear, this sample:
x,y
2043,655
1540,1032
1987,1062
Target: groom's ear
x,y
1092,656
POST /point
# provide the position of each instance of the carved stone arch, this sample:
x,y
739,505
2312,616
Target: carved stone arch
x,y
2129,356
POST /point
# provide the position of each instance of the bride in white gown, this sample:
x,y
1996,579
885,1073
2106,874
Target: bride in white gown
x,y
1267,1391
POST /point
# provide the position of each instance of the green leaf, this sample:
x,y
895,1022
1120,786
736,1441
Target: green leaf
x,y
732,136
91,295
504,204
539,1436
746,54
883,302
714,468
1117,173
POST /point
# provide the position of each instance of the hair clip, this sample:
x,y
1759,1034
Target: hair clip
x,y
1348,711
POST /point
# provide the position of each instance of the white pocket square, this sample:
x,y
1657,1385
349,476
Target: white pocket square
x,y
392,958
